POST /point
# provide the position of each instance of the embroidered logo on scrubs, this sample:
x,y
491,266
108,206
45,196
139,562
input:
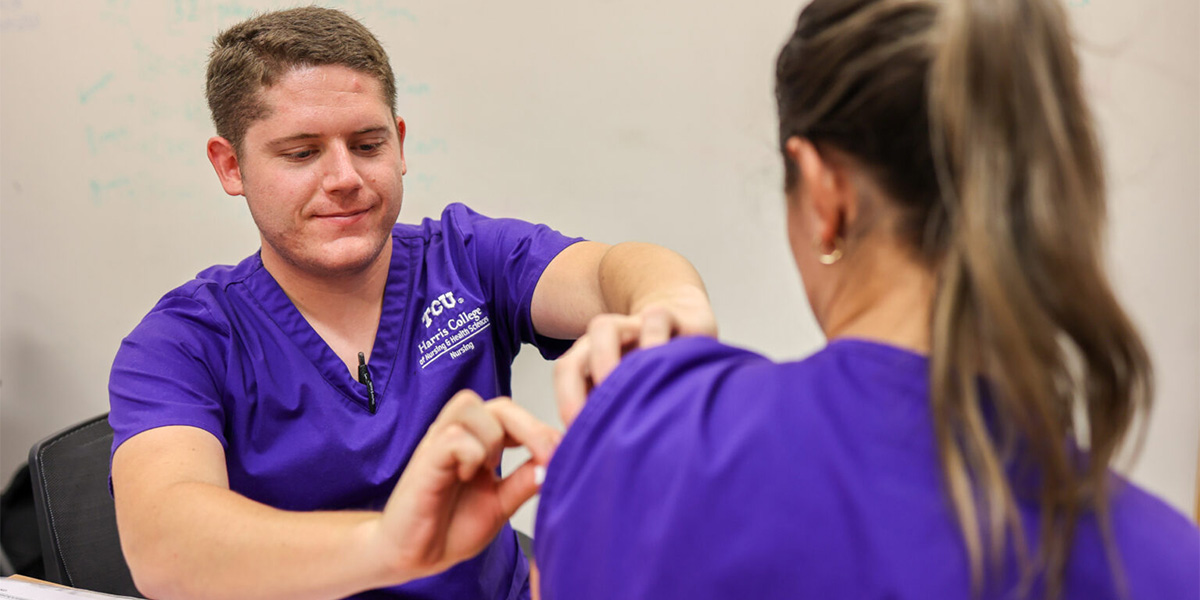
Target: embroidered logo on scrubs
x,y
438,306
453,337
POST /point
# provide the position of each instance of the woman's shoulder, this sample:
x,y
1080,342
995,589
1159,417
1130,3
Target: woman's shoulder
x,y
702,363
1159,546
683,356
705,363
685,368
775,460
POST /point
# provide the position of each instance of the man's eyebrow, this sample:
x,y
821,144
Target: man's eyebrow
x,y
292,138
300,137
379,129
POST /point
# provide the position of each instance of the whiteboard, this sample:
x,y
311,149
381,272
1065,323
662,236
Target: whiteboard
x,y
610,119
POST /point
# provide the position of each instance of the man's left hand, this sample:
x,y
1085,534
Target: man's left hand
x,y
610,337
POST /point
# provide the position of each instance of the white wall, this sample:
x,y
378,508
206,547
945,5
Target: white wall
x,y
612,119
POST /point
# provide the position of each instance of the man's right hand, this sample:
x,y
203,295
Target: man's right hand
x,y
449,503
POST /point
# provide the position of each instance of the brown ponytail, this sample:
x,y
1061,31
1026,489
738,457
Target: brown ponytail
x,y
971,115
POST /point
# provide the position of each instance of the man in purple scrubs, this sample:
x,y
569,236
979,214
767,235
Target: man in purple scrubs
x,y
309,423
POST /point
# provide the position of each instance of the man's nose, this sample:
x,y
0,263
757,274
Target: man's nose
x,y
341,174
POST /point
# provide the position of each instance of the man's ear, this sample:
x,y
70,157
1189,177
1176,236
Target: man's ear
x,y
828,187
225,162
401,129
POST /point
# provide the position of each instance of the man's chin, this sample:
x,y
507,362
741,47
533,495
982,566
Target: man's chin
x,y
339,259
346,262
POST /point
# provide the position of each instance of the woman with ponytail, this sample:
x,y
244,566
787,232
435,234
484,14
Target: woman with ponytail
x,y
945,207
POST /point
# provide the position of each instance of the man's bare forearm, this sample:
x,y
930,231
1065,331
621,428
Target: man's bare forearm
x,y
186,535
634,276
222,545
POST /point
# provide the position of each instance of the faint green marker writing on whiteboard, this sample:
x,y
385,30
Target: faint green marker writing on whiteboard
x,y
96,141
87,94
102,188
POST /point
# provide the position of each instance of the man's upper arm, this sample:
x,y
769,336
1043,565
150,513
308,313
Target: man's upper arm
x,y
150,463
568,293
167,455
512,259
167,372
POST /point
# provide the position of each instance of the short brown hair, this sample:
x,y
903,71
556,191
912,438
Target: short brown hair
x,y
256,53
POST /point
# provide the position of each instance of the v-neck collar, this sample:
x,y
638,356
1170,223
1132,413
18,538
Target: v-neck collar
x,y
275,302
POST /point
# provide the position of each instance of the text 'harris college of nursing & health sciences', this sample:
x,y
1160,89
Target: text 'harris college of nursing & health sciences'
x,y
450,337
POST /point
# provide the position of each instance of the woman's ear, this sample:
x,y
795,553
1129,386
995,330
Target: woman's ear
x,y
826,186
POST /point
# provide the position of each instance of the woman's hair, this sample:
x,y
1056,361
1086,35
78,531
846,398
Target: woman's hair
x,y
969,114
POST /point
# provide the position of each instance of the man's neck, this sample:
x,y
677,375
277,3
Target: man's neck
x,y
344,309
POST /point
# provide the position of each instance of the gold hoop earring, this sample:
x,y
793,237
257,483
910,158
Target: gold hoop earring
x,y
828,258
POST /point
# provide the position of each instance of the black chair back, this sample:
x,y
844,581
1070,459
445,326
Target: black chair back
x,y
76,518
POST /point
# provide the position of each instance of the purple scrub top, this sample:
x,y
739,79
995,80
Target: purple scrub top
x,y
230,354
702,471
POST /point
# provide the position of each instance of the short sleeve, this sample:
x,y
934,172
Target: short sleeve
x,y
167,371
511,256
643,481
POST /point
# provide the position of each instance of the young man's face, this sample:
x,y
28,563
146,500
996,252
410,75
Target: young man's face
x,y
322,172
